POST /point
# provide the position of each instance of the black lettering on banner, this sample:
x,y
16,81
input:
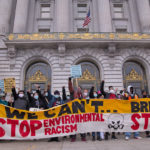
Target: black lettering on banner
x,y
64,109
14,113
47,114
135,107
32,116
78,106
96,104
144,106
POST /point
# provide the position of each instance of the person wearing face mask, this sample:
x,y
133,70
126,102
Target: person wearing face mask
x,y
108,95
131,95
96,95
20,101
76,94
54,101
37,101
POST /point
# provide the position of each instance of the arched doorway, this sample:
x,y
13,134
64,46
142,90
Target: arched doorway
x,y
134,74
90,76
37,73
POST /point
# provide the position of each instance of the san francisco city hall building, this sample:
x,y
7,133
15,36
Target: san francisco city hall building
x,y
41,39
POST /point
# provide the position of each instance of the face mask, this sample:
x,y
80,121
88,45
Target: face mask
x,y
95,95
112,91
36,96
46,94
85,94
56,96
68,97
21,95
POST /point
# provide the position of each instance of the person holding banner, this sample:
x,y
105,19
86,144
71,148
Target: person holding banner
x,y
55,100
108,95
73,95
20,101
96,95
131,95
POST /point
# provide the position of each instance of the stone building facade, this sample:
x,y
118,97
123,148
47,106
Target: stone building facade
x,y
41,39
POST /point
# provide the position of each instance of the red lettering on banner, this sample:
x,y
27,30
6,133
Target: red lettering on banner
x,y
35,125
47,131
102,119
45,123
2,131
13,124
136,123
146,117
24,128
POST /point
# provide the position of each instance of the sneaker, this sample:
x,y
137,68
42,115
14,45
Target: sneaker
x,y
114,137
148,136
83,139
73,140
93,138
99,139
138,137
127,138
106,137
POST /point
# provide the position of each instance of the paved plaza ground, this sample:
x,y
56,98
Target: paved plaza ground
x,y
65,144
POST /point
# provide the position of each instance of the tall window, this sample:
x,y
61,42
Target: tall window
x,y
118,10
45,10
134,74
80,10
45,16
120,16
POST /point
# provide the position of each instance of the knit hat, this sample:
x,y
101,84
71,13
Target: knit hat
x,y
56,92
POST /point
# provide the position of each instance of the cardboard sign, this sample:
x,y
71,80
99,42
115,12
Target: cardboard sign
x,y
76,71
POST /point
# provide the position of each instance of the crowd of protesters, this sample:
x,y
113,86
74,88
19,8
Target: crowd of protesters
x,y
40,101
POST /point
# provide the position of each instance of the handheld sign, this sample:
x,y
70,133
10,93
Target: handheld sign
x,y
2,85
76,71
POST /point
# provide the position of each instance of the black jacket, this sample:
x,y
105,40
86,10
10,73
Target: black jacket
x,y
20,103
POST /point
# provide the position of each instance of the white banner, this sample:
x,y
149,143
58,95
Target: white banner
x,y
73,124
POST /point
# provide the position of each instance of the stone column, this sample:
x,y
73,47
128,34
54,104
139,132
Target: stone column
x,y
21,16
5,13
144,14
105,20
63,15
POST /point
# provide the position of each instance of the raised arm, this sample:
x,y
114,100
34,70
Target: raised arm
x,y
15,95
64,97
102,88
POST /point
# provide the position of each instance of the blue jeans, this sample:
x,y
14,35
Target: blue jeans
x,y
128,134
98,134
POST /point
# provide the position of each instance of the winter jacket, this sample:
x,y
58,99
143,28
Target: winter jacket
x,y
20,103
106,94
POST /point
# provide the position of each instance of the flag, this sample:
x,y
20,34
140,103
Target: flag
x,y
87,19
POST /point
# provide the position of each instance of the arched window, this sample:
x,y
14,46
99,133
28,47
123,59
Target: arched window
x,y
90,76
134,74
38,73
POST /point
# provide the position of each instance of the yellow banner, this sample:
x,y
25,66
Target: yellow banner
x,y
80,107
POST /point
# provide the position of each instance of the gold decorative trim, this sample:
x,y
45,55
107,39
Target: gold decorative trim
x,y
38,77
87,76
133,75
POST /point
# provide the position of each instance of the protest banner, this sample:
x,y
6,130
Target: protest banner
x,y
75,117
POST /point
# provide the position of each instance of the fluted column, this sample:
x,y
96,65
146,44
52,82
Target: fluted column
x,y
105,23
21,16
63,15
144,14
5,13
